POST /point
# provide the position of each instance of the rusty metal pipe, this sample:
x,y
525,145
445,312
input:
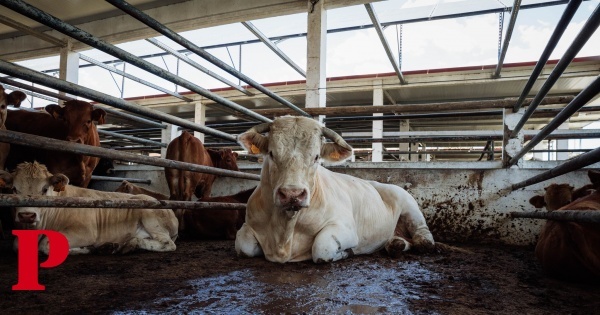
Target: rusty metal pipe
x,y
83,202
65,146
120,179
576,163
588,216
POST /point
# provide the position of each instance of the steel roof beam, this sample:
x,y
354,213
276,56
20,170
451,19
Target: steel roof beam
x,y
26,29
154,24
273,47
580,40
132,77
196,65
509,31
384,42
561,26
87,38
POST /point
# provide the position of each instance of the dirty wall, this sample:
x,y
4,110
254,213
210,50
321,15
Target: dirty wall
x,y
462,201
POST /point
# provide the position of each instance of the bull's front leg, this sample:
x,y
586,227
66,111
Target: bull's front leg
x,y
246,244
334,242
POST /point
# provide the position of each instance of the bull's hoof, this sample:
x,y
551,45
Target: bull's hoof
x,y
106,249
396,247
128,246
422,245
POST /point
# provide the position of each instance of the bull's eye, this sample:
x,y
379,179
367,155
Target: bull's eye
x,y
3,107
271,154
44,190
89,122
14,190
316,158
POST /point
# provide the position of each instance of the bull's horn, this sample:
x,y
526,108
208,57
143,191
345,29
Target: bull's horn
x,y
335,137
262,128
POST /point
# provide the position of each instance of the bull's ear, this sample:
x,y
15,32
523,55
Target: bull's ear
x,y
6,179
59,182
15,98
55,110
334,153
98,115
537,201
254,142
594,177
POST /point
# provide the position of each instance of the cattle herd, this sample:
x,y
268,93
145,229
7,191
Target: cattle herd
x,y
299,210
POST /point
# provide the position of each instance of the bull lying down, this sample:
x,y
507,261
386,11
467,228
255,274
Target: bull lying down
x,y
301,210
86,229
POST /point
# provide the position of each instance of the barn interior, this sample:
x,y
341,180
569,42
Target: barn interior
x,y
471,142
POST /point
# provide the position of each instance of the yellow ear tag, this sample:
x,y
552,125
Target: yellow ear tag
x,y
254,149
335,155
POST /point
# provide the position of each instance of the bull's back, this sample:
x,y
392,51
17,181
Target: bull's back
x,y
571,250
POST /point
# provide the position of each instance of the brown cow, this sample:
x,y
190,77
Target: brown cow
x,y
129,188
217,224
15,99
571,250
182,184
73,122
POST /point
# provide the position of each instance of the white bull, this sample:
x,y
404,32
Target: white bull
x,y
89,228
303,211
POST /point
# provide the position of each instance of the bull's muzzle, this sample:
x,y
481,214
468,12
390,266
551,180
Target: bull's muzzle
x,y
27,217
292,198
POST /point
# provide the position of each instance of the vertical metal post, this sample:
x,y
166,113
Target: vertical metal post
x,y
509,31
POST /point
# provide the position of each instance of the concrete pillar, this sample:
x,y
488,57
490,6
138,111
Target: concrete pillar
x,y
404,127
414,157
316,45
562,145
200,119
68,66
512,146
167,135
376,155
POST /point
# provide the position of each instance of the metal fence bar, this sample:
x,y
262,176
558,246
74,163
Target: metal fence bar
x,y
584,35
154,24
561,26
83,202
414,116
576,163
68,98
71,147
137,148
49,81
588,216
580,100
87,38
196,65
120,179
132,77
134,139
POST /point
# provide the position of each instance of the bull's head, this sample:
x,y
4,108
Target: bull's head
x,y
224,158
293,150
79,117
34,179
15,98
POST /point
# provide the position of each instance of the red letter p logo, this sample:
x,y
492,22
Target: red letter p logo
x,y
28,256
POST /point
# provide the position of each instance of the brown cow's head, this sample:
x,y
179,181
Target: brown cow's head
x,y
556,196
33,179
293,151
15,98
79,117
225,159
